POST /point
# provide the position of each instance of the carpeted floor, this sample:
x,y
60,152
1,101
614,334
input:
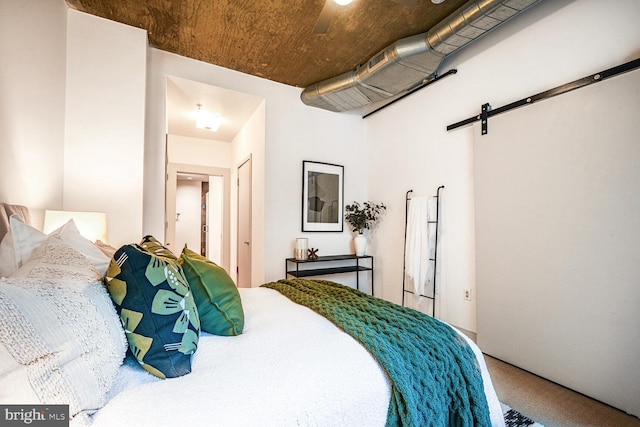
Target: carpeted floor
x,y
551,404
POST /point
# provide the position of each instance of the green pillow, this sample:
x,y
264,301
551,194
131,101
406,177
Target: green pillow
x,y
217,297
156,307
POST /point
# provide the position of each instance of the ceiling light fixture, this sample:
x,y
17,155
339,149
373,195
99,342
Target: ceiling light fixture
x,y
437,1
342,2
207,120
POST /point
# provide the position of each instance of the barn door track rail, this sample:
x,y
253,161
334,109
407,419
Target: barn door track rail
x,y
487,111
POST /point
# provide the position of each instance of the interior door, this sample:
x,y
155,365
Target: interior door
x,y
244,225
558,239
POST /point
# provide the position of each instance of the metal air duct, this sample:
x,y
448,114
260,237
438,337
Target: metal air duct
x,y
413,60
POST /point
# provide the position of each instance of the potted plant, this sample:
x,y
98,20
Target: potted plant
x,y
360,218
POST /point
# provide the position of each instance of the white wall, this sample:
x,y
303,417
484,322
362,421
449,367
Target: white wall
x,y
250,143
32,84
549,45
315,135
196,151
71,123
104,122
188,200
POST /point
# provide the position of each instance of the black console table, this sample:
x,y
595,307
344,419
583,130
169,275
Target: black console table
x,y
343,264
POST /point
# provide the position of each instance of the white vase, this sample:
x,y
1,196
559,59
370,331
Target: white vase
x,y
360,243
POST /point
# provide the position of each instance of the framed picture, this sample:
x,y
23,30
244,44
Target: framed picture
x,y
322,196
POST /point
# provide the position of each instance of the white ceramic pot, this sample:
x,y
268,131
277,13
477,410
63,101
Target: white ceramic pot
x,y
360,243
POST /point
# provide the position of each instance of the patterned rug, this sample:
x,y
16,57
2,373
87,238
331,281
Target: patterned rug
x,y
513,418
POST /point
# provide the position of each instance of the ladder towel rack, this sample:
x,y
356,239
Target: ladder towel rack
x,y
433,259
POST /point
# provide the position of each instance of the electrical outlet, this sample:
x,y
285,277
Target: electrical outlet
x,y
467,294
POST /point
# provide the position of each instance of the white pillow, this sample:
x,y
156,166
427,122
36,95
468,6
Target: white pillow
x,y
61,341
22,240
56,259
18,245
72,236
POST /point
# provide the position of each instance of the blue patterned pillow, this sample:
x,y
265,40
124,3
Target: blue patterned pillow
x,y
156,307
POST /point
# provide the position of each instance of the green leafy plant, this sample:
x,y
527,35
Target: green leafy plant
x,y
363,217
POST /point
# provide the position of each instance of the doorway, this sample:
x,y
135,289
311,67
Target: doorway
x,y
242,134
200,214
218,211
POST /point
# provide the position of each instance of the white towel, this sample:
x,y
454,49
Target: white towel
x,y
420,243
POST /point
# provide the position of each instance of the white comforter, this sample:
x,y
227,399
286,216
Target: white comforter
x,y
290,367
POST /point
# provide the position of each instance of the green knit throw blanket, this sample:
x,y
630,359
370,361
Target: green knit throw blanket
x,y
435,377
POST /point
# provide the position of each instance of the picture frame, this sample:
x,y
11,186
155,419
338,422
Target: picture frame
x,y
322,197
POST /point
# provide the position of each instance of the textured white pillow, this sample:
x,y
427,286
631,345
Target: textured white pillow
x,y
22,240
70,234
56,259
61,341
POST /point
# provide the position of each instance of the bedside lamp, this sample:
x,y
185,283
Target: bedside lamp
x,y
91,225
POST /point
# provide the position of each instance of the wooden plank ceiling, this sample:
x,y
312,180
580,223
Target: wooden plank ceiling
x,y
273,39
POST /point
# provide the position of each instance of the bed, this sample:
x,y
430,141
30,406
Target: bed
x,y
63,340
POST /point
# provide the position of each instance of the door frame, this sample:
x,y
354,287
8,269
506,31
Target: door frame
x,y
244,161
170,205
